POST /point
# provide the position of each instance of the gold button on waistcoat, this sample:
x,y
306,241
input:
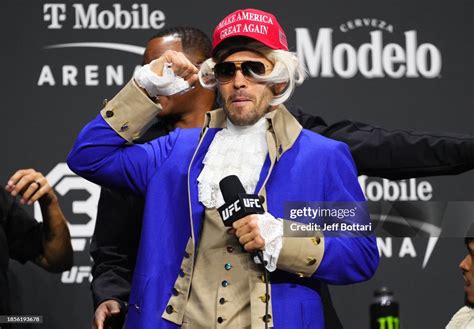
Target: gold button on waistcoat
x,y
310,261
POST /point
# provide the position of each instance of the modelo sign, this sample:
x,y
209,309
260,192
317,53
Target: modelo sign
x,y
372,59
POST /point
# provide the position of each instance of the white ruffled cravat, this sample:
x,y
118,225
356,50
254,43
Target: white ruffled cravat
x,y
463,319
235,150
241,151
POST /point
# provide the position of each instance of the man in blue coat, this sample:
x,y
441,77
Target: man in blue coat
x,y
191,271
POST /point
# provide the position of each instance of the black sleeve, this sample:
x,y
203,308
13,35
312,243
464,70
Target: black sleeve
x,y
397,154
114,245
23,232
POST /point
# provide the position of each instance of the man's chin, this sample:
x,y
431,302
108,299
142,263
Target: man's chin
x,y
242,120
241,117
467,302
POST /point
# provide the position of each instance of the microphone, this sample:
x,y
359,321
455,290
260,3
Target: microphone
x,y
238,203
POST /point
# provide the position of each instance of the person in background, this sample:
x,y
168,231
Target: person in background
x,y
22,238
464,318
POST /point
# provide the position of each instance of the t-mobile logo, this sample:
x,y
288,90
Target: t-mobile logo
x,y
54,13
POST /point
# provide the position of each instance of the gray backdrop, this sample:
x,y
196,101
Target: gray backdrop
x,y
50,90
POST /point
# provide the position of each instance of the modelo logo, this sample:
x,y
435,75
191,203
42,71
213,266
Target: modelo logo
x,y
92,17
371,59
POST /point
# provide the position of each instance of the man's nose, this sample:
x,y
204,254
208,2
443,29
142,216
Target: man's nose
x,y
239,80
465,264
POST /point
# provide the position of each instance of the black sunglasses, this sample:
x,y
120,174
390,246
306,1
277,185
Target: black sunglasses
x,y
225,71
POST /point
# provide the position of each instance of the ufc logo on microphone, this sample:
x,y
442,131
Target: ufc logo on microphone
x,y
252,203
230,210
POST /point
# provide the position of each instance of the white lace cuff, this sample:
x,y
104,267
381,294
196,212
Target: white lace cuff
x,y
271,229
168,84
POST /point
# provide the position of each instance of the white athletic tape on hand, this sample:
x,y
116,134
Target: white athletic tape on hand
x,y
167,85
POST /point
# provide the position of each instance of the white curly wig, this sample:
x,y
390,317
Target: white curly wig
x,y
286,68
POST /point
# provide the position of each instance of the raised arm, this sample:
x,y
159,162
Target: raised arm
x,y
103,152
397,154
55,252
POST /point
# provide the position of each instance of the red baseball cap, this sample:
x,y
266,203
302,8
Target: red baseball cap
x,y
252,23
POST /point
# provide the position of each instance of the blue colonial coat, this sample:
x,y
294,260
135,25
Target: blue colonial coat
x,y
165,171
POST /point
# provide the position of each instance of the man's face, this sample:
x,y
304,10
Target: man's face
x,y
245,101
178,104
467,267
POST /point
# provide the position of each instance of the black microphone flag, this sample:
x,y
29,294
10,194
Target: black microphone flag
x,y
238,203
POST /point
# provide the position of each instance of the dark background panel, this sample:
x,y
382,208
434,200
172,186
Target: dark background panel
x,y
40,123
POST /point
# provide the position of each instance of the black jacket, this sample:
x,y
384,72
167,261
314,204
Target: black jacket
x,y
20,239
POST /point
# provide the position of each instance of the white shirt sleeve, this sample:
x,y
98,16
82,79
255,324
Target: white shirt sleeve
x,y
271,229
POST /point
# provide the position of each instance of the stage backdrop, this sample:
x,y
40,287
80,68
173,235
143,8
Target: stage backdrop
x,y
61,59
